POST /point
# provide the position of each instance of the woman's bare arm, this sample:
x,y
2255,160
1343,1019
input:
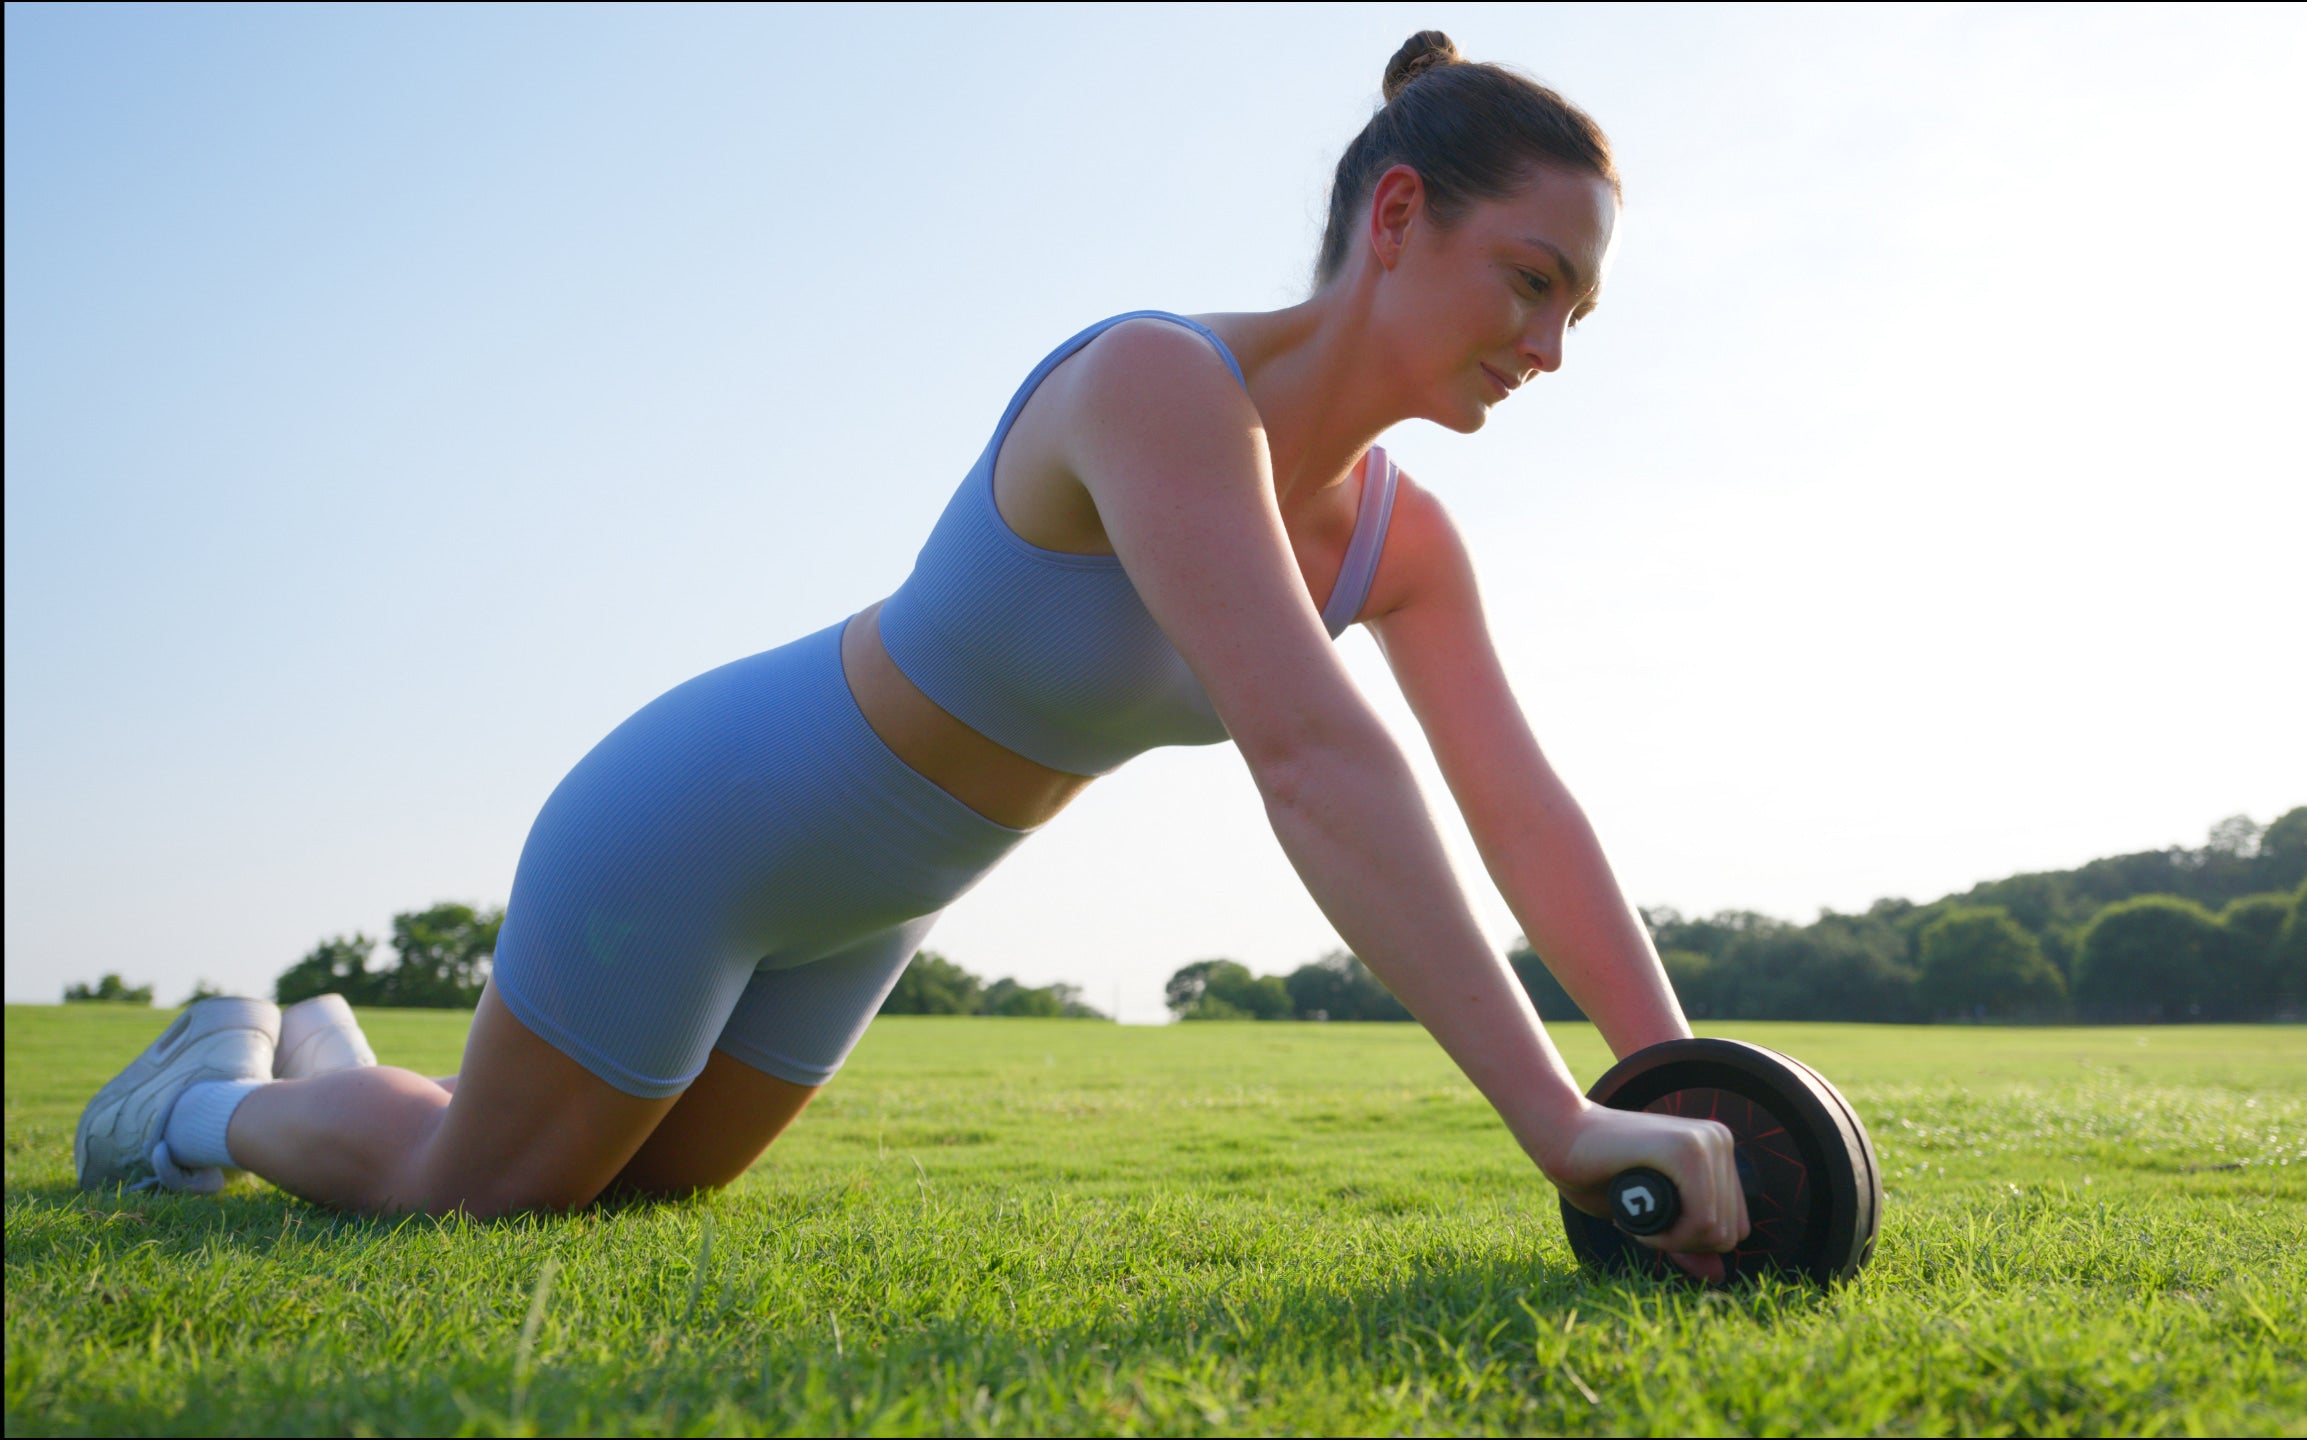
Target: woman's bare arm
x,y
1172,454
1534,838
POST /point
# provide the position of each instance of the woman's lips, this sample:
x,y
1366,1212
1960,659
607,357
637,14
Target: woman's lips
x,y
1504,388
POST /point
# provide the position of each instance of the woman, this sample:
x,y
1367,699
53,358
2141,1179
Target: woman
x,y
1167,520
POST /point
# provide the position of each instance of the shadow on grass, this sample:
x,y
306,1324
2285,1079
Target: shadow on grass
x,y
257,1222
1423,1295
1115,1363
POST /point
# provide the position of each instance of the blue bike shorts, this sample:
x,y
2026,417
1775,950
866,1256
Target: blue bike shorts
x,y
743,864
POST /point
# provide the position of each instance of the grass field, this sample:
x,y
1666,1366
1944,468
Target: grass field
x,y
1059,1226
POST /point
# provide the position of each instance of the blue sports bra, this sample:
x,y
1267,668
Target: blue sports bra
x,y
1052,654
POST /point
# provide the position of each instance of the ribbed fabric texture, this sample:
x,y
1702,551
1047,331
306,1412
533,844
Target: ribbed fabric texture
x,y
744,865
1053,654
741,863
198,1119
1373,513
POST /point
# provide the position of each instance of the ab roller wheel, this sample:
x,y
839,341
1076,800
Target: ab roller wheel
x,y
1813,1190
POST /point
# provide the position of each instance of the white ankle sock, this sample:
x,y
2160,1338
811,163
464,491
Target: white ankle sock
x,y
196,1123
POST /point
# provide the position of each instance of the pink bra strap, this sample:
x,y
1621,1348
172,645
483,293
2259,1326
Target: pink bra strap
x,y
1361,566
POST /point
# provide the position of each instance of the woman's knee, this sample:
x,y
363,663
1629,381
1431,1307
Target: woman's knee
x,y
527,1128
476,1166
497,1191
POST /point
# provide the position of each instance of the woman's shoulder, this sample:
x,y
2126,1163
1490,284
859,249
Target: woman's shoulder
x,y
1151,367
1423,553
1159,344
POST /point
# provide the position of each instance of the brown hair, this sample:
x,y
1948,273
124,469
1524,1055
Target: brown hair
x,y
1472,132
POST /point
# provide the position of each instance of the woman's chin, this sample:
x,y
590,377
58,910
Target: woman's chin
x,y
1456,409
1464,420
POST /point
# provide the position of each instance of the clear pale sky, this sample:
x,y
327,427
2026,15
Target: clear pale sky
x,y
397,398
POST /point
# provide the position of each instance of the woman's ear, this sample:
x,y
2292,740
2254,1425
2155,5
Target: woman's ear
x,y
1397,202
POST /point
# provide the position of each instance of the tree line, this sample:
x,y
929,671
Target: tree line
x,y
2210,933
934,985
2215,933
440,960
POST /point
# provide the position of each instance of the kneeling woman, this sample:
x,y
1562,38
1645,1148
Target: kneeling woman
x,y
1172,520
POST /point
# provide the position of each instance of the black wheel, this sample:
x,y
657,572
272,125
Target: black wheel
x,y
1813,1189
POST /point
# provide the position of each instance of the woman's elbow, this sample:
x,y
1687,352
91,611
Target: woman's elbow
x,y
1297,766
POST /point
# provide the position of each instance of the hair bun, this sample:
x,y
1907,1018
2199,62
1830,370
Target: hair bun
x,y
1424,51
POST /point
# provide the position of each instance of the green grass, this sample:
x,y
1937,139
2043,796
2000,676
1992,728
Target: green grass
x,y
1055,1226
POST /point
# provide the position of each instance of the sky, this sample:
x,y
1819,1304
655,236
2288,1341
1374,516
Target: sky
x,y
399,397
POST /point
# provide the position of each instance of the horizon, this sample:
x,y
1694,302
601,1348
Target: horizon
x,y
398,399
1822,913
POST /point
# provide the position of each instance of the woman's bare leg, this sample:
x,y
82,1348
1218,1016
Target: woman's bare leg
x,y
526,1128
724,1120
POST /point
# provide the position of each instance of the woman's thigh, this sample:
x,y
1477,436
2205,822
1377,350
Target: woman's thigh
x,y
785,1038
527,1127
717,1129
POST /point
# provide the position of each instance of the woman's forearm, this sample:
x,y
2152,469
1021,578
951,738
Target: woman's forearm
x,y
1355,826
1549,865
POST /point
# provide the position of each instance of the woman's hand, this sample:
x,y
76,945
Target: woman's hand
x,y
1697,1155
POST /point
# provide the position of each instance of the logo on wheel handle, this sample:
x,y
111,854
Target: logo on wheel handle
x,y
1637,1201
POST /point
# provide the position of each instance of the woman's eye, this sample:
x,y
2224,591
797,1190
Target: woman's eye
x,y
1537,283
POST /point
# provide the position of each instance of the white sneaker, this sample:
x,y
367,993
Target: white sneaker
x,y
317,1036
119,1139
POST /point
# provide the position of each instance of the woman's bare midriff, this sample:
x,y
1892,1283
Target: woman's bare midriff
x,y
990,778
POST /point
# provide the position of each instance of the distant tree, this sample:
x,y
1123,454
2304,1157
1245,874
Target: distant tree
x,y
1978,962
443,958
337,965
934,985
1261,997
1692,976
1896,943
1189,985
1010,997
1340,987
2155,957
1817,973
2237,835
1051,1002
1070,1005
109,990
1226,990
1739,964
2061,944
2286,835
2287,960
1658,917
1712,937
1547,996
2238,858
2249,928
1892,909
202,990
441,961
2281,863
1215,1007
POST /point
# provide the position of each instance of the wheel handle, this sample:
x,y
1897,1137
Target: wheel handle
x,y
1645,1202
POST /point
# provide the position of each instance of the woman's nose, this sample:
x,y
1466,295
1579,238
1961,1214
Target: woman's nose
x,y
1542,346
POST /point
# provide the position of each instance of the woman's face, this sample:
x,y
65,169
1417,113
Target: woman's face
x,y
1474,309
